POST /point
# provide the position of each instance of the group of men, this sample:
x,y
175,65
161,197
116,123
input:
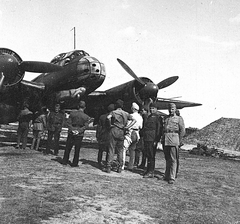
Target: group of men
x,y
53,121
117,132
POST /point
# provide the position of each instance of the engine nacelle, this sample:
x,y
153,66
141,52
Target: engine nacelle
x,y
10,73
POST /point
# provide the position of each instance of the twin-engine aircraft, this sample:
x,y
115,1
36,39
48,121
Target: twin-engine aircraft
x,y
67,79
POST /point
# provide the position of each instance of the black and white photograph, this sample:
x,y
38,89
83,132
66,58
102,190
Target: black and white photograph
x,y
119,112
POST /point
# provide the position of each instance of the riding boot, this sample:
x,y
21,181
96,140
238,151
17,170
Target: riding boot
x,y
99,158
148,169
143,163
38,143
137,156
33,143
108,169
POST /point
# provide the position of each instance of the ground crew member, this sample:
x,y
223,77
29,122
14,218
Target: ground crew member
x,y
135,134
55,121
102,135
39,124
174,131
77,123
118,120
140,145
24,119
152,132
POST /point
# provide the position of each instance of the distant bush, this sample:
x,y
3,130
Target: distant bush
x,y
190,130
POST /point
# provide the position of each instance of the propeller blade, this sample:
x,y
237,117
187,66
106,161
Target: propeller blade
x,y
129,71
1,80
39,67
167,82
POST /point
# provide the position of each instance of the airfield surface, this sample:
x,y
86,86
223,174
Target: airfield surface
x,y
37,189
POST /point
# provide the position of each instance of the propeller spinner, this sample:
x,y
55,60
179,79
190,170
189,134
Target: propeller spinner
x,y
12,68
148,90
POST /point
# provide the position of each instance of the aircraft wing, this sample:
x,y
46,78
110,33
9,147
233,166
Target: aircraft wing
x,y
162,103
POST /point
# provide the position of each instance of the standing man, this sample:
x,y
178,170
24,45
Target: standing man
x,y
118,120
152,133
140,145
39,124
102,135
77,123
174,131
24,119
55,121
135,134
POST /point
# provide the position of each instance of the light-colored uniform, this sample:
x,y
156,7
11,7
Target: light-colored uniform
x,y
131,139
174,130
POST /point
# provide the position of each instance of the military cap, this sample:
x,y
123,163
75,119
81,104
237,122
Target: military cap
x,y
135,106
111,107
119,104
171,105
82,104
154,104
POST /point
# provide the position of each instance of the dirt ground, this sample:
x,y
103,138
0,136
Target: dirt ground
x,y
36,188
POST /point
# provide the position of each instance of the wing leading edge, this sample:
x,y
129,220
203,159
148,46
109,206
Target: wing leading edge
x,y
162,103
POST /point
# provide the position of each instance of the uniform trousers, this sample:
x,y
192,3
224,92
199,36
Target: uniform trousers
x,y
150,153
116,140
22,133
140,149
132,149
171,154
56,135
73,140
102,147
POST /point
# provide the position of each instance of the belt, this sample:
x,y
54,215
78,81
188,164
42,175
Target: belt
x,y
171,131
135,129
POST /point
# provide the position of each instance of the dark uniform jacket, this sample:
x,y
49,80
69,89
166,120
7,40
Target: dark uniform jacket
x,y
119,119
152,128
103,128
24,118
55,121
78,121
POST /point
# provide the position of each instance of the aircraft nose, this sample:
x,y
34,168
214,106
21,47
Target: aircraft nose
x,y
92,66
150,90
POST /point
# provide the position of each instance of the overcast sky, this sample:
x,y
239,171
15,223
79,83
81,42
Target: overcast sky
x,y
197,40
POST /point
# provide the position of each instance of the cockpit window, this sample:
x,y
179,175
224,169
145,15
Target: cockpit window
x,y
68,56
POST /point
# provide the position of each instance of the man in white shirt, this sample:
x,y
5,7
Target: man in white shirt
x,y
135,134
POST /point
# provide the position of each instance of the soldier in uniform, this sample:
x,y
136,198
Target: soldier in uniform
x,y
174,131
152,132
102,135
24,119
140,145
77,123
39,124
55,121
118,120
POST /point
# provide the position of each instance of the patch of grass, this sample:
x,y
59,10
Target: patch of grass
x,y
35,188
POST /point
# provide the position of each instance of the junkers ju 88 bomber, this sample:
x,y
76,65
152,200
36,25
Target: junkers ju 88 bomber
x,y
67,79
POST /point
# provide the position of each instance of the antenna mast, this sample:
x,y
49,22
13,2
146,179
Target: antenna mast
x,y
74,37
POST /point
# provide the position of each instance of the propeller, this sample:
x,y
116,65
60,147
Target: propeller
x,y
129,71
148,91
12,68
167,82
